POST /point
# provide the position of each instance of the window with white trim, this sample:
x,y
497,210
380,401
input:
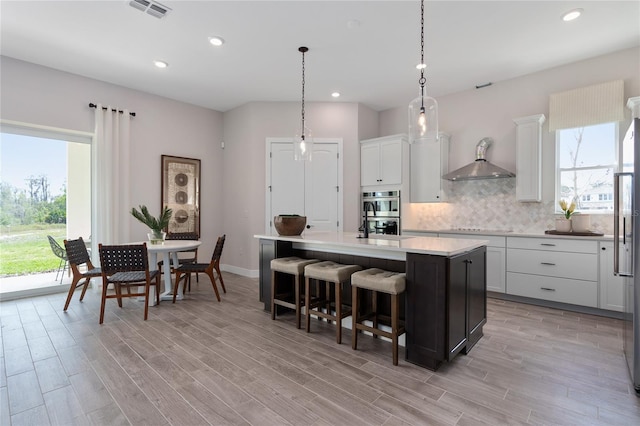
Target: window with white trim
x,y
585,164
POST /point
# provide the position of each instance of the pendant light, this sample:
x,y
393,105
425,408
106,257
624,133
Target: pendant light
x,y
303,143
423,110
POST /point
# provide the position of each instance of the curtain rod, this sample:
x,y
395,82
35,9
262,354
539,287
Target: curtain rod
x,y
92,105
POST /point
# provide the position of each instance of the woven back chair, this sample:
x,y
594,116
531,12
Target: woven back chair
x,y
191,255
60,253
79,258
127,266
207,268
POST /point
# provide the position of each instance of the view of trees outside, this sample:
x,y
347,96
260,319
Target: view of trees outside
x,y
33,202
586,163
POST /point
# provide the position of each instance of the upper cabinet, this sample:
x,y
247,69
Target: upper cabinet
x,y
382,160
529,158
429,161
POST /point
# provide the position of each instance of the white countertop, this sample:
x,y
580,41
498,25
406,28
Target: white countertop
x,y
383,246
499,233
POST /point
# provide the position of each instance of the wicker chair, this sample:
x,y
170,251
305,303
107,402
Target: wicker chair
x,y
127,266
62,254
207,268
78,256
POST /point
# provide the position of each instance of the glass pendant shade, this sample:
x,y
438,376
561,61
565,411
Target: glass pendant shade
x,y
303,145
423,119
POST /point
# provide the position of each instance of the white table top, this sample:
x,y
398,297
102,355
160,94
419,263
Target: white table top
x,y
396,246
171,245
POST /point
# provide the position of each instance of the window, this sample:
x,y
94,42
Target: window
x,y
585,164
46,190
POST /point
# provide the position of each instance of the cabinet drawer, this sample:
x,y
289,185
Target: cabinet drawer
x,y
579,266
576,292
494,240
553,244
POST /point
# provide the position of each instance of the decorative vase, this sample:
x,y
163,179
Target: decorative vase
x,y
563,225
581,223
288,225
157,237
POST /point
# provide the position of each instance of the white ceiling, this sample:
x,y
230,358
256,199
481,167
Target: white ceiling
x,y
468,43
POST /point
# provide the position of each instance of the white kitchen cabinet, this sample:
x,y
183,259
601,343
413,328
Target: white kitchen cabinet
x,y
381,160
429,161
611,287
559,270
529,158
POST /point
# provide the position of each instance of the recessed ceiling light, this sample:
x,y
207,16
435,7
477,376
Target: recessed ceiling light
x,y
160,64
335,94
571,15
216,41
421,66
352,24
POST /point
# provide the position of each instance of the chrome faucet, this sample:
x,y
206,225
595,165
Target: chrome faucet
x,y
366,217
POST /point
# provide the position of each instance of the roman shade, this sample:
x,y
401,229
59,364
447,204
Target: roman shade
x,y
587,106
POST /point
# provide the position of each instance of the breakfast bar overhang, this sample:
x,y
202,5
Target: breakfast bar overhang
x,y
445,300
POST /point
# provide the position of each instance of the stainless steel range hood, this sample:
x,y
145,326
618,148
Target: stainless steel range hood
x,y
481,168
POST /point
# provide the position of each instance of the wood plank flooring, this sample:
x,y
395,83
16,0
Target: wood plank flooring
x,y
200,362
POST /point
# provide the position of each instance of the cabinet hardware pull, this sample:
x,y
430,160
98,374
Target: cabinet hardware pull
x,y
547,244
547,289
548,263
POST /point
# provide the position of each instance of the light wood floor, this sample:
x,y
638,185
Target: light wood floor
x,y
202,362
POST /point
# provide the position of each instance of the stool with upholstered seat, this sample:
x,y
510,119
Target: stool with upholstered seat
x,y
378,281
294,266
332,273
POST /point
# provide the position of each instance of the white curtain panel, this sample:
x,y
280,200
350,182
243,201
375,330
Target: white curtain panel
x,y
111,177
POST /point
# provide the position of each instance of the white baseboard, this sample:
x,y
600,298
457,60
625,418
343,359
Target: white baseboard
x,y
249,273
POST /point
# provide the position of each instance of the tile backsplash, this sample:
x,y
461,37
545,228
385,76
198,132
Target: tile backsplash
x,y
491,205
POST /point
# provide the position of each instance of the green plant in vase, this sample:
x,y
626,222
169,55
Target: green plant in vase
x,y
157,225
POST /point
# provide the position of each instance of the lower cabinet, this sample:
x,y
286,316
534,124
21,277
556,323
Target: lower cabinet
x,y
611,287
496,258
558,270
446,306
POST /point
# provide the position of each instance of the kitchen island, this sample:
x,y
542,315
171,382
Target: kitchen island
x,y
445,297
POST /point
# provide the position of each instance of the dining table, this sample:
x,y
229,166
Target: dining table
x,y
168,250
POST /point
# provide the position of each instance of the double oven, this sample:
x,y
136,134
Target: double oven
x,y
387,217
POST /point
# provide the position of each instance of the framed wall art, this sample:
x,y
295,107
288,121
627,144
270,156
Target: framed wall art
x,y
181,193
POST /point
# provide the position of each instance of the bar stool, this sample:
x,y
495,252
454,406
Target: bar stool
x,y
333,273
292,266
377,280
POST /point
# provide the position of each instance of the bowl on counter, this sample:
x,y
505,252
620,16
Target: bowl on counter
x,y
289,225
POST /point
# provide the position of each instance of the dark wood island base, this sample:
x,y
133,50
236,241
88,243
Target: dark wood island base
x,y
445,304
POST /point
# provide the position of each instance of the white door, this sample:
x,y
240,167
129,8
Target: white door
x,y
287,181
322,191
311,189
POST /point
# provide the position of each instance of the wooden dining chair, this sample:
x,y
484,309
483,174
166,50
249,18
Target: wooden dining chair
x,y
211,269
78,257
191,255
127,266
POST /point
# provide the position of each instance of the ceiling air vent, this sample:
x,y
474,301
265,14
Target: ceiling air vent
x,y
153,8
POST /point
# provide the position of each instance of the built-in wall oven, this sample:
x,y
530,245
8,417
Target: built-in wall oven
x,y
387,217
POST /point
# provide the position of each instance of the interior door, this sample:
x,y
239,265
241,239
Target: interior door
x,y
322,191
309,189
287,181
